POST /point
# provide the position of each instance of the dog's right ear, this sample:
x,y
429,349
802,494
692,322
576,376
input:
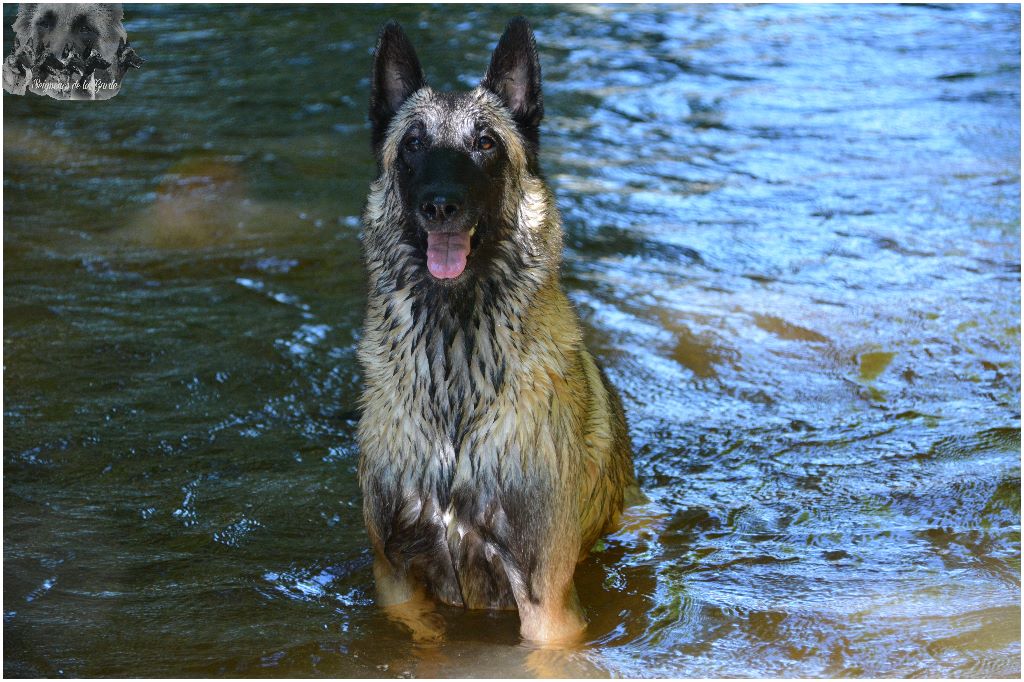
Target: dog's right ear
x,y
396,75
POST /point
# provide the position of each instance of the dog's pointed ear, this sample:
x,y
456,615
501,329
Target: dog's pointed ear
x,y
26,12
396,75
514,75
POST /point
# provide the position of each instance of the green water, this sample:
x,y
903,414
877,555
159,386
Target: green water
x,y
792,232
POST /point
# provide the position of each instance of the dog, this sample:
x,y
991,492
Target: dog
x,y
494,450
69,51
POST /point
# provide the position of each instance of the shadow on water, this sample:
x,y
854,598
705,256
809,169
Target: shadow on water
x,y
793,235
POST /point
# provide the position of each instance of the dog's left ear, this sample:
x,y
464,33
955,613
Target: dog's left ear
x,y
514,76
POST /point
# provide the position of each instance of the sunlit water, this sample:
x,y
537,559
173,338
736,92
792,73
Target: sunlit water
x,y
792,232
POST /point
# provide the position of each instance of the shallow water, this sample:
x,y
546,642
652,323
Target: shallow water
x,y
793,234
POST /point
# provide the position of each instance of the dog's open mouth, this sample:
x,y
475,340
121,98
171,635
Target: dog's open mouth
x,y
447,253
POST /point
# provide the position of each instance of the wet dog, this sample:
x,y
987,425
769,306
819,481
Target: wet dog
x,y
494,451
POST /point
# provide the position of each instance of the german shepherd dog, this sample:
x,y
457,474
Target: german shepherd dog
x,y
494,449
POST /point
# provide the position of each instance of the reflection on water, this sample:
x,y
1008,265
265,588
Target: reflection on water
x,y
793,233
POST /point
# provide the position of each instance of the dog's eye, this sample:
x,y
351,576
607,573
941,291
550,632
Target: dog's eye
x,y
485,143
412,143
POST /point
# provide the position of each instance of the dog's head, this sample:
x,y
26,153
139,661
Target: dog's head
x,y
459,183
59,28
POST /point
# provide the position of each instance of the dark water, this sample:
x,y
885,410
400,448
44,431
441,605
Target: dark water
x,y
794,236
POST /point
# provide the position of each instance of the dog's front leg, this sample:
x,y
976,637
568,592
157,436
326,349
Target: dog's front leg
x,y
406,602
550,613
553,623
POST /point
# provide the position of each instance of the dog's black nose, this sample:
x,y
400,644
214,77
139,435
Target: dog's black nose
x,y
439,210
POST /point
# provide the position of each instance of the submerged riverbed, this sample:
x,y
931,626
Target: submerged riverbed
x,y
792,232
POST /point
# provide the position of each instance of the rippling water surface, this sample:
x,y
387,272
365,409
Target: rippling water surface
x,y
793,233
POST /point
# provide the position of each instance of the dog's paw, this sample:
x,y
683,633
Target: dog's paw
x,y
418,615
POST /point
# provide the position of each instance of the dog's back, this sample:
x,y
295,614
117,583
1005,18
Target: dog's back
x,y
494,450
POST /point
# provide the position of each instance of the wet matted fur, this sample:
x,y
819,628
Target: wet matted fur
x,y
494,449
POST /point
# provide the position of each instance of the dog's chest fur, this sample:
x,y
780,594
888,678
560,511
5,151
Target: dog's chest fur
x,y
461,433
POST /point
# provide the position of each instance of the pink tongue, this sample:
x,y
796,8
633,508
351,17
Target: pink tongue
x,y
446,254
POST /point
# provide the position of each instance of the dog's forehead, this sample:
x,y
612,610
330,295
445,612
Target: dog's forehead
x,y
65,14
453,117
454,120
